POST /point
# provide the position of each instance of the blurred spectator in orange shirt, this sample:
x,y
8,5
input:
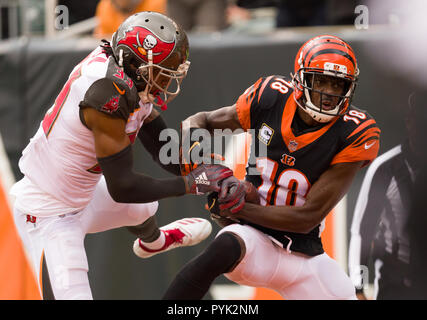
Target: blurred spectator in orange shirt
x,y
111,13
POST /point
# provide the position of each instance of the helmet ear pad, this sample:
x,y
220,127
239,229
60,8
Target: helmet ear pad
x,y
130,67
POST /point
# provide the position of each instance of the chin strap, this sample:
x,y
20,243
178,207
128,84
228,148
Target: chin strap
x,y
162,104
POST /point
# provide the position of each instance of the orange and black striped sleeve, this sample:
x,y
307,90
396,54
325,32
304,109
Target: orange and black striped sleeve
x,y
362,144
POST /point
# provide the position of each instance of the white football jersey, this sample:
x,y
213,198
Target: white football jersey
x,y
59,163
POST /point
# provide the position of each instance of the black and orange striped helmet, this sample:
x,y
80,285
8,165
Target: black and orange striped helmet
x,y
326,55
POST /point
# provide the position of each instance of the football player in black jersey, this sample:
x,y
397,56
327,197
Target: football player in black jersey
x,y
316,142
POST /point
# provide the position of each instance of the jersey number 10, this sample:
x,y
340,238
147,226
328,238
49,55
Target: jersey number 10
x,y
290,188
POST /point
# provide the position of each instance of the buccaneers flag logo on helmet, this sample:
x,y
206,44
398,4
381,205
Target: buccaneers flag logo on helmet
x,y
140,40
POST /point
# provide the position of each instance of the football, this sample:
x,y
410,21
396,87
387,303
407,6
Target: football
x,y
251,196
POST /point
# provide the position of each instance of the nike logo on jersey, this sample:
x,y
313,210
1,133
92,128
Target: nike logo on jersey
x,y
367,146
122,92
202,179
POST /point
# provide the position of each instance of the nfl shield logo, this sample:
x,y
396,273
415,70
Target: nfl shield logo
x,y
293,145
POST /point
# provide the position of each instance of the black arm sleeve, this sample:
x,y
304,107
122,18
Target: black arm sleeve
x,y
149,137
127,186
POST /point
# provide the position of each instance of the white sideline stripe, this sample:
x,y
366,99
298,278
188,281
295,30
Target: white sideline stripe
x,y
340,232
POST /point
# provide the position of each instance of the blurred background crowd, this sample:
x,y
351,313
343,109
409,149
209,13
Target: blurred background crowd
x,y
29,17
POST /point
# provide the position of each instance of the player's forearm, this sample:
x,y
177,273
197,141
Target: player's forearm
x,y
285,218
223,118
143,189
321,199
319,202
198,120
149,135
127,186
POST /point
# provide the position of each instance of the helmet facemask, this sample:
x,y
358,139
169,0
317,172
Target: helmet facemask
x,y
322,106
159,80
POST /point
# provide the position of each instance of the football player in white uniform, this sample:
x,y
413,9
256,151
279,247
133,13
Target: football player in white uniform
x,y
78,170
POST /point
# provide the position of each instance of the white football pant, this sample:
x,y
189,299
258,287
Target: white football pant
x,y
60,239
294,276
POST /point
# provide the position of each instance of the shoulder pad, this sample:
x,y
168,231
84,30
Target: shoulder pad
x,y
264,94
114,94
271,90
357,123
107,96
116,74
360,137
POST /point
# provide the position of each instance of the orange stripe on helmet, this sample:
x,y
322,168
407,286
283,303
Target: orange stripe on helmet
x,y
341,45
328,48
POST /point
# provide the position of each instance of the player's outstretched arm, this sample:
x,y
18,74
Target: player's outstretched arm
x,y
223,118
328,190
115,157
194,145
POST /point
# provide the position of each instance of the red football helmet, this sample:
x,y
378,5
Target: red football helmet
x,y
153,50
330,56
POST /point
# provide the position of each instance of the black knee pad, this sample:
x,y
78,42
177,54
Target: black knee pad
x,y
222,254
194,280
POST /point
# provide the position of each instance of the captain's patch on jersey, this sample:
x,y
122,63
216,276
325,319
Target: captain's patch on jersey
x,y
265,134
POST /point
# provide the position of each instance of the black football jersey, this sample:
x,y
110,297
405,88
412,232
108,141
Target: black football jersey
x,y
296,154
